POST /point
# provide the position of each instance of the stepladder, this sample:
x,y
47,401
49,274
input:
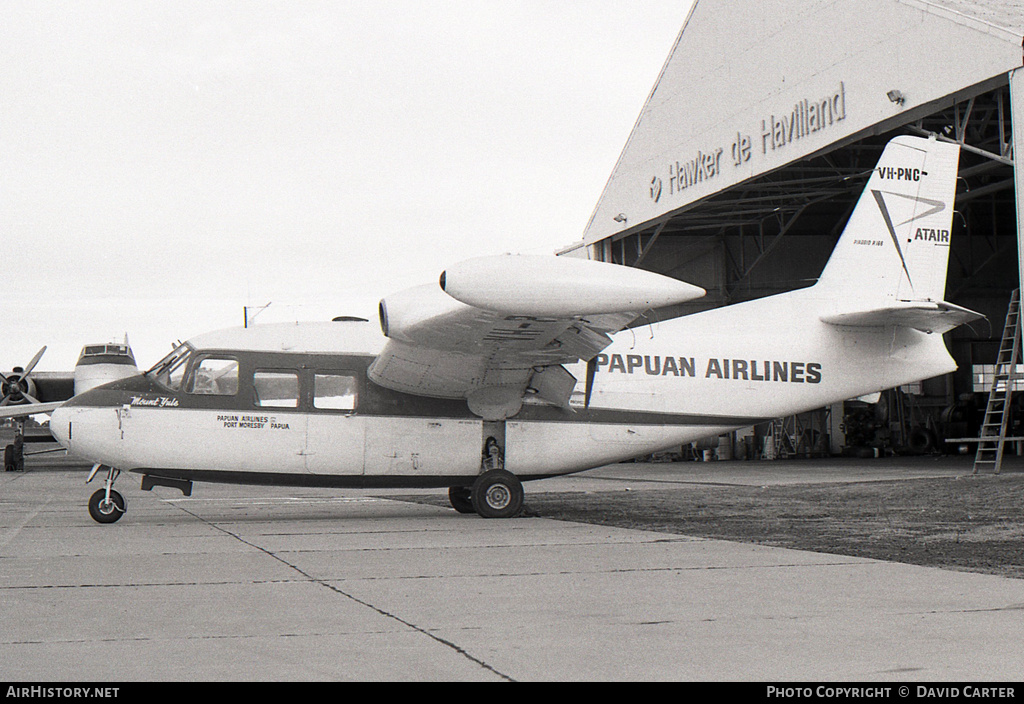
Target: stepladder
x,y
992,438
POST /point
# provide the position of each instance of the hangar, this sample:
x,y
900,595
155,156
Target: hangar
x,y
757,139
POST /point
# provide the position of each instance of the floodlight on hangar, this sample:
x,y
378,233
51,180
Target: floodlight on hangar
x,y
896,96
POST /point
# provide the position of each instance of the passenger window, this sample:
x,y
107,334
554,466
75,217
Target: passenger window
x,y
335,391
215,376
276,389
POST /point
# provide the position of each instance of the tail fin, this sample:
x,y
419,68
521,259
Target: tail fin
x,y
889,267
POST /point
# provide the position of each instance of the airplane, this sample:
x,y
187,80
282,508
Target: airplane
x,y
482,360
25,392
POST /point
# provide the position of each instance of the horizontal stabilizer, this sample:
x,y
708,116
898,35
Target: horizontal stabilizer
x,y
926,316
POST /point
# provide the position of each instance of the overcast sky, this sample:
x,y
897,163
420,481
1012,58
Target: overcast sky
x,y
163,164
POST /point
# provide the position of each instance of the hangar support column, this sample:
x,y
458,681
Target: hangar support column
x,y
1017,140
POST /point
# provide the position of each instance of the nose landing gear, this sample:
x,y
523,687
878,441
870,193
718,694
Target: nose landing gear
x,y
106,505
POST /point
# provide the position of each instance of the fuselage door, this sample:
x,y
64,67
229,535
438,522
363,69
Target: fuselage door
x,y
335,432
281,444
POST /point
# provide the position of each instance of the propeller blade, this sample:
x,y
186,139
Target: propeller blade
x,y
33,363
591,370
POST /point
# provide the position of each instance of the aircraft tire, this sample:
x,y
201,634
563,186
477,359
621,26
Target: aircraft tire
x,y
921,441
9,465
461,498
497,494
110,513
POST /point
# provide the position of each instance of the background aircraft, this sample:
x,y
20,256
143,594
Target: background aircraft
x,y
20,386
26,392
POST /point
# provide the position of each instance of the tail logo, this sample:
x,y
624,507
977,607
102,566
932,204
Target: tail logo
x,y
935,206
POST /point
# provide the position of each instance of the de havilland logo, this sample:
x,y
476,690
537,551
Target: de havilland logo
x,y
656,187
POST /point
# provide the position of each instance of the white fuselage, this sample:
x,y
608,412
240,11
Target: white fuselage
x,y
655,387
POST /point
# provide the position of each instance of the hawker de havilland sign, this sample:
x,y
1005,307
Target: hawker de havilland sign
x,y
776,131
467,383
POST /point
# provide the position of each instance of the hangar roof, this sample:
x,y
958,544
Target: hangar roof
x,y
753,96
1008,14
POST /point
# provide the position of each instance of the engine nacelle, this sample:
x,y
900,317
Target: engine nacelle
x,y
17,387
405,311
561,286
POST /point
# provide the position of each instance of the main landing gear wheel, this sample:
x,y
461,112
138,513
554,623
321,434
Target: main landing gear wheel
x,y
461,499
103,511
497,494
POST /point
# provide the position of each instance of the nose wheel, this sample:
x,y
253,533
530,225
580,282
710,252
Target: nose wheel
x,y
106,505
106,510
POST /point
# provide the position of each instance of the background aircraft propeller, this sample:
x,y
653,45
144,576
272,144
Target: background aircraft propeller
x,y
18,387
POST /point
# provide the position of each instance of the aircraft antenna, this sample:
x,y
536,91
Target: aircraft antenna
x,y
258,309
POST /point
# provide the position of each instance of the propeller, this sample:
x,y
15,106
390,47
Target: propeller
x,y
17,387
591,370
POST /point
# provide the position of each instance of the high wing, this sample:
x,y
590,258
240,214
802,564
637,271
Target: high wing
x,y
499,328
51,386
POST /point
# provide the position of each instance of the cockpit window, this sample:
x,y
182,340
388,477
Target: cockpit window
x,y
170,370
215,376
100,350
